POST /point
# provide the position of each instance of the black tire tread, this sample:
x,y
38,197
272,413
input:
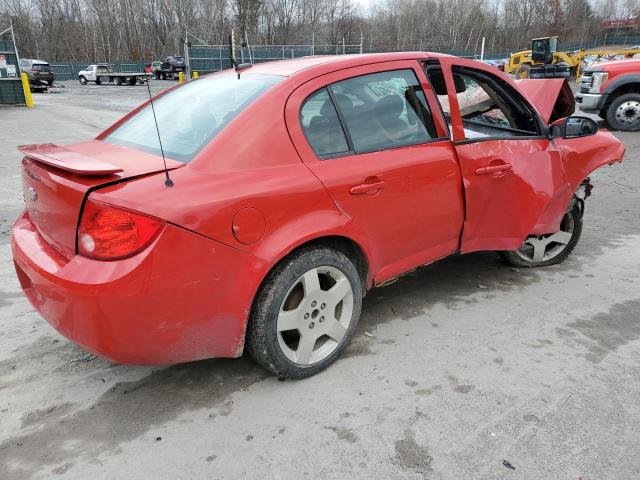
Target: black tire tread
x,y
261,343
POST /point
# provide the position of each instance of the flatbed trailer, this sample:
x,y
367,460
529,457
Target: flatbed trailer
x,y
102,73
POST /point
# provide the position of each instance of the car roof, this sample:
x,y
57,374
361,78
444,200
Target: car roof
x,y
290,67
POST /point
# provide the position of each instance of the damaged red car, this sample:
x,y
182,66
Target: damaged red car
x,y
297,187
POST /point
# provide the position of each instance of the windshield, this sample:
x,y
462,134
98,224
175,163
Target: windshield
x,y
191,115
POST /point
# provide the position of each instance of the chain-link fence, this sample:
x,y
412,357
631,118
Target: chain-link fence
x,y
212,58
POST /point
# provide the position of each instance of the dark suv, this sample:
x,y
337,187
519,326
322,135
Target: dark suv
x,y
38,71
174,64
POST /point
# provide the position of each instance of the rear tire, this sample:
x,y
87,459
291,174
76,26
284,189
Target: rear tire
x,y
305,313
117,81
550,249
623,113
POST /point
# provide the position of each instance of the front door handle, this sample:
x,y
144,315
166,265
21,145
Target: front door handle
x,y
494,169
366,188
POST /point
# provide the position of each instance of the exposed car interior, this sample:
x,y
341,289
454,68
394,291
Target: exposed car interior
x,y
487,107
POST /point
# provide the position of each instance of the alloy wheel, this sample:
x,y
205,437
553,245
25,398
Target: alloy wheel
x,y
315,315
542,248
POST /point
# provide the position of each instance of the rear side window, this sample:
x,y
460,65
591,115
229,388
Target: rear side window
x,y
322,126
191,115
384,110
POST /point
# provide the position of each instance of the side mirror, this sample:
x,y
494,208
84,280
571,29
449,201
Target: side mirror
x,y
573,127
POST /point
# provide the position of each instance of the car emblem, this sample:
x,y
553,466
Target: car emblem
x,y
33,195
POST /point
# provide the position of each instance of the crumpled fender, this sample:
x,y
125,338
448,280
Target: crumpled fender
x,y
580,157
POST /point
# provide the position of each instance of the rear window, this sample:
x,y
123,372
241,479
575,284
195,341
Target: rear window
x,y
40,66
191,115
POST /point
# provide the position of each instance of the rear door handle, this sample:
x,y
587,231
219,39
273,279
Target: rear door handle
x,y
366,188
494,169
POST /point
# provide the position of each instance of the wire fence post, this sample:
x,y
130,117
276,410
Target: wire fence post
x,y
186,52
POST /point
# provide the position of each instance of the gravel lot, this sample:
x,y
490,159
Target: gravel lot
x,y
456,367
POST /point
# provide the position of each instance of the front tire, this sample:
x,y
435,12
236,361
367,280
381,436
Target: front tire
x,y
305,313
553,248
83,80
523,71
624,113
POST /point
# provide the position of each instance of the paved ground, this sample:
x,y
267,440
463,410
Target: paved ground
x,y
457,367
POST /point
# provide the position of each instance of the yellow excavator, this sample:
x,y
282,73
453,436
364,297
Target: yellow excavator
x,y
544,60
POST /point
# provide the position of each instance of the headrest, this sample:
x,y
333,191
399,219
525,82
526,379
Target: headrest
x,y
436,78
390,106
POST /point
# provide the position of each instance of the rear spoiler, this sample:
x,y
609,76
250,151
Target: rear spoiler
x,y
68,160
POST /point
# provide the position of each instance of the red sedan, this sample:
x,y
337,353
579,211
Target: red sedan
x,y
297,187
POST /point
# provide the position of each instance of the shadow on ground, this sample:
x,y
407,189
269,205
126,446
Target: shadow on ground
x,y
124,412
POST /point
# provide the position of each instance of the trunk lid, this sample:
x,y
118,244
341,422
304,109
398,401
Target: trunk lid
x,y
56,180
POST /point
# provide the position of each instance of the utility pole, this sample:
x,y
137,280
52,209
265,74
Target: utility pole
x,y
482,50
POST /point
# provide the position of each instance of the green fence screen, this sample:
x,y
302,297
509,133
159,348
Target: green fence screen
x,y
11,92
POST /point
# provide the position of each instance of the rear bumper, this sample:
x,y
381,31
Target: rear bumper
x,y
184,298
41,77
590,102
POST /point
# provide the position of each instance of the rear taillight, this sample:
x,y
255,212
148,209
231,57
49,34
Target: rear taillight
x,y
110,233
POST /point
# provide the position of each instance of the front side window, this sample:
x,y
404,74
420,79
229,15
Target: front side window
x,y
191,115
485,111
321,125
384,110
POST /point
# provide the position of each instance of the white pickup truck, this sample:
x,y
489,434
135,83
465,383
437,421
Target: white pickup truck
x,y
102,73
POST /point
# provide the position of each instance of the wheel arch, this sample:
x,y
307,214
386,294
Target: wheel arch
x,y
337,241
344,244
